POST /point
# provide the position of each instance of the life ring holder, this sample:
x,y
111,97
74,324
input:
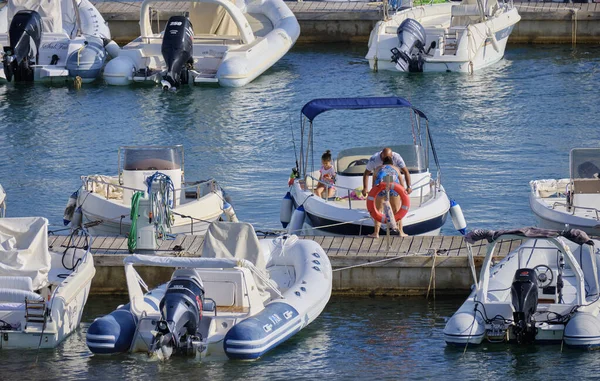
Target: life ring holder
x,y
376,214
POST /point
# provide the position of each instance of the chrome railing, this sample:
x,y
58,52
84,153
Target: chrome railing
x,y
573,208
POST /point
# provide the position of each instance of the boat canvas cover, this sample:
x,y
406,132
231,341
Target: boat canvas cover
x,y
210,18
235,240
575,235
24,249
317,106
49,10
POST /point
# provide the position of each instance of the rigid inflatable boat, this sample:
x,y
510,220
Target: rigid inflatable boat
x,y
242,298
65,39
223,42
544,291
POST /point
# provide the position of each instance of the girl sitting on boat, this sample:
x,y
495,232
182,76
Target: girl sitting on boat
x,y
327,177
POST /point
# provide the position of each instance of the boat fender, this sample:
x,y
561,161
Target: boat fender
x,y
229,212
376,214
119,71
286,210
297,220
112,333
111,47
70,208
458,219
77,218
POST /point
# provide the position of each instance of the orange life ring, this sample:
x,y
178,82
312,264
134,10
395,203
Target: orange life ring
x,y
376,214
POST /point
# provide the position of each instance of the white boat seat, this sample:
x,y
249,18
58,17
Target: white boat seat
x,y
16,283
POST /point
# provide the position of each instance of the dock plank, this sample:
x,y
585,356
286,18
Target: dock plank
x,y
195,248
355,245
405,245
456,245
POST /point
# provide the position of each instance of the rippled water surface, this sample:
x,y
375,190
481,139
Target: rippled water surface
x,y
494,131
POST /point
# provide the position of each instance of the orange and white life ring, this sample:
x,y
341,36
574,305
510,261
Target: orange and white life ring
x,y
376,214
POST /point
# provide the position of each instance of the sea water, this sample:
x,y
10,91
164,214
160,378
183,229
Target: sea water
x,y
494,131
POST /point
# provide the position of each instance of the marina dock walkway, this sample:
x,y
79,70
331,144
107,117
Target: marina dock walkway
x,y
352,21
361,265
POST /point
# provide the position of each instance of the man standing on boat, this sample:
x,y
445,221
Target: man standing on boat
x,y
376,161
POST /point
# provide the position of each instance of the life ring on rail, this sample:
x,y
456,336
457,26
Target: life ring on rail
x,y
376,214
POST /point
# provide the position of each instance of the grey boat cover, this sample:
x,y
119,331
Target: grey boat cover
x,y
235,240
575,235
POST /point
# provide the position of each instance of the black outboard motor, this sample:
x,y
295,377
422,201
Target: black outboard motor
x,y
177,50
409,57
25,36
181,312
524,294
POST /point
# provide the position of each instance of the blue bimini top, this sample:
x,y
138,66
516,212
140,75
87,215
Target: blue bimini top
x,y
318,106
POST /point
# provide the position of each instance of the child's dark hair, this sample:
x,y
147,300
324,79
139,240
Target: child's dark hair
x,y
388,160
326,156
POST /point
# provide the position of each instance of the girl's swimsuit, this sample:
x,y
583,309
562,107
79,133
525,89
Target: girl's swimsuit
x,y
387,170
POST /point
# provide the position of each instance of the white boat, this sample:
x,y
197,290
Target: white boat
x,y
223,42
344,214
66,39
179,207
573,202
242,298
42,293
461,37
545,291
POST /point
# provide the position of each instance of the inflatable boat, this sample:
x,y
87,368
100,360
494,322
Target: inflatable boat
x,y
241,299
66,39
218,42
544,291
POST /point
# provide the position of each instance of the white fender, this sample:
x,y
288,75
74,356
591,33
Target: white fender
x,y
458,219
297,221
112,48
229,212
119,71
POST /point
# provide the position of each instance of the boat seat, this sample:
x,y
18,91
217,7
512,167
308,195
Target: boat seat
x,y
16,283
17,296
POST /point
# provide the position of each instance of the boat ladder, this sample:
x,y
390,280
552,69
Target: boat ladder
x,y
35,313
450,42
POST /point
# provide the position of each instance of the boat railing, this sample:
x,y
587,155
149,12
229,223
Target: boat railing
x,y
414,187
573,208
197,189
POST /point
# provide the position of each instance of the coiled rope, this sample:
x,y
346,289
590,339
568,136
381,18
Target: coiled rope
x,y
135,204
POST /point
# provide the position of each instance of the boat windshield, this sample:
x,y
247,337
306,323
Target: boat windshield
x,y
354,160
585,163
151,158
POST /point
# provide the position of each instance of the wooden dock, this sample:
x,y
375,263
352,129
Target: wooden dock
x,y
361,265
352,21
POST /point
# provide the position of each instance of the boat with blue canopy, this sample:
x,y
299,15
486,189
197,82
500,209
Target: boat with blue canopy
x,y
347,212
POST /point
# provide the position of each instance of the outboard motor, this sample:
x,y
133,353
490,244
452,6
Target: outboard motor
x,y
524,294
177,50
408,57
25,36
181,312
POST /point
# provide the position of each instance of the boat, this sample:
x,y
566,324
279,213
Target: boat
x,y
66,39
216,42
544,291
443,37
149,178
572,202
346,213
42,292
240,299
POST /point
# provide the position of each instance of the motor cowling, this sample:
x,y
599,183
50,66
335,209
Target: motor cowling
x,y
408,56
524,295
177,51
181,310
25,36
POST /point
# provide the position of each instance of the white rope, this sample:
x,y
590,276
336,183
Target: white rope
x,y
262,277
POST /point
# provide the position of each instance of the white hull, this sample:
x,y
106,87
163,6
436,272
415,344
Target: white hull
x,y
458,48
268,29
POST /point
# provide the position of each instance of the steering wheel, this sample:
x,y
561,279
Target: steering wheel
x,y
357,162
544,275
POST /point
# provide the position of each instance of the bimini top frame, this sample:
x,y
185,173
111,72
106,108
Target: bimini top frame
x,y
318,106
